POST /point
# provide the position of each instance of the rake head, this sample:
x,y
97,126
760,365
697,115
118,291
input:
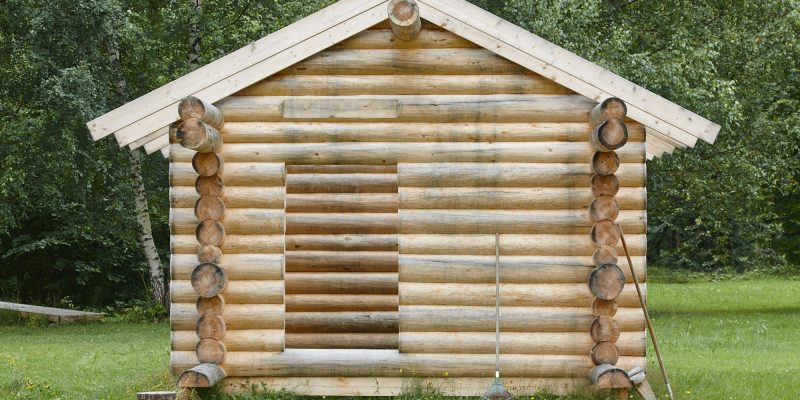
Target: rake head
x,y
497,392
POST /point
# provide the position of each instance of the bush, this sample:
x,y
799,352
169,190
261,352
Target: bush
x,y
138,311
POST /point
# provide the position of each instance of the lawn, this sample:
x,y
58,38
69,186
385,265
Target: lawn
x,y
735,339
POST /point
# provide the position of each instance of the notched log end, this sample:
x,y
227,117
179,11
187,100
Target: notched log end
x,y
201,376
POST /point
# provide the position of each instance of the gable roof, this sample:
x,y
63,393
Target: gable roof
x,y
145,120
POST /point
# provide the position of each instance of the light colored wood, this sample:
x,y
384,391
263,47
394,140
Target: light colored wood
x,y
207,232
341,183
605,207
204,185
52,314
210,326
606,282
604,255
165,151
211,305
610,135
234,244
238,340
208,279
512,319
209,207
234,197
245,221
511,295
340,261
607,376
605,233
355,85
332,108
163,395
607,109
341,340
192,107
341,283
607,185
202,376
341,169
566,343
247,266
605,163
507,221
183,316
422,108
236,292
404,19
513,269
236,174
317,223
604,307
341,302
205,164
156,144
342,202
430,37
342,322
471,174
210,351
605,328
645,390
372,363
196,135
153,136
606,353
502,198
342,242
511,244
205,254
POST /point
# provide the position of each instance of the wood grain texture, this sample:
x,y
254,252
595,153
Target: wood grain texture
x,y
246,266
341,223
236,174
341,283
234,244
341,302
341,183
234,197
567,343
342,322
341,261
235,340
342,202
184,316
511,295
511,244
502,198
343,242
341,340
238,221
236,292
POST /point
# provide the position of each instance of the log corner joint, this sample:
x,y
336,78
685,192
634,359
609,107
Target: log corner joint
x,y
404,19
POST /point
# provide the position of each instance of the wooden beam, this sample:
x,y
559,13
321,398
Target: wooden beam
x,y
203,375
404,19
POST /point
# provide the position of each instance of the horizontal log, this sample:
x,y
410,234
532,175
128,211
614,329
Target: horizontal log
x,y
341,183
236,174
567,343
385,39
319,223
341,283
310,132
343,242
512,319
341,169
511,295
234,244
406,62
184,316
393,152
372,363
234,197
341,340
305,108
241,340
236,292
341,302
196,135
342,202
238,221
354,85
237,266
488,198
511,175
339,261
507,221
513,269
512,244
203,375
342,322
192,107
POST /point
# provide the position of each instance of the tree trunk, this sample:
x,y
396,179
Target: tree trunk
x,y
195,38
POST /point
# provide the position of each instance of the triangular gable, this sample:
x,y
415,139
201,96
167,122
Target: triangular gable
x,y
144,121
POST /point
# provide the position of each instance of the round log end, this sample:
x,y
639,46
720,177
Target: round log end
x,y
607,376
604,307
604,255
604,233
210,306
210,232
208,164
211,326
210,351
191,107
614,107
605,162
209,207
604,353
604,207
606,281
203,375
605,185
209,185
604,329
404,18
208,279
209,254
610,135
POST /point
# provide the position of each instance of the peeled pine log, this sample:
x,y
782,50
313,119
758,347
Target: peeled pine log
x,y
607,281
604,207
605,233
238,267
184,316
207,164
341,340
610,135
605,353
194,134
210,305
341,261
235,196
205,254
163,395
343,242
210,327
604,329
209,207
208,279
201,376
607,376
240,340
341,183
605,163
605,185
604,307
611,107
604,255
208,185
342,322
238,221
510,244
499,198
236,292
342,203
208,232
238,244
236,174
341,302
341,283
321,223
337,168
211,351
192,107
404,19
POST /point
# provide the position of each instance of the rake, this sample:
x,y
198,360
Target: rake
x,y
497,391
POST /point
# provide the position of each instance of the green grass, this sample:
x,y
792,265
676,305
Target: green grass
x,y
731,339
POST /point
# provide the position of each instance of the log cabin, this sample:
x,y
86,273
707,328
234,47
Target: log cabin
x,y
337,185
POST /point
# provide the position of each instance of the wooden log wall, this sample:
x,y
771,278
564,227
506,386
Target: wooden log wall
x,y
480,145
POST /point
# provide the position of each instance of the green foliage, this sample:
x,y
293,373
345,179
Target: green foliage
x,y
138,311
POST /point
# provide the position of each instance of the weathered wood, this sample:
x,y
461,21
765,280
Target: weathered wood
x,y
341,302
610,135
604,255
236,174
208,232
604,207
236,292
605,233
210,305
156,395
605,185
246,221
332,108
192,107
196,135
607,281
609,108
512,319
245,266
183,316
341,168
210,326
343,242
605,353
53,314
605,163
235,196
211,351
205,254
341,183
235,340
342,202
341,283
494,198
208,279
341,340
207,164
209,207
234,244
209,185
604,307
339,261
342,322
404,19
203,375
430,37
330,223
605,328
510,244
607,376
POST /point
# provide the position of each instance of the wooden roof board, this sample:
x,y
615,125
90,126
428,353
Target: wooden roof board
x,y
137,122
